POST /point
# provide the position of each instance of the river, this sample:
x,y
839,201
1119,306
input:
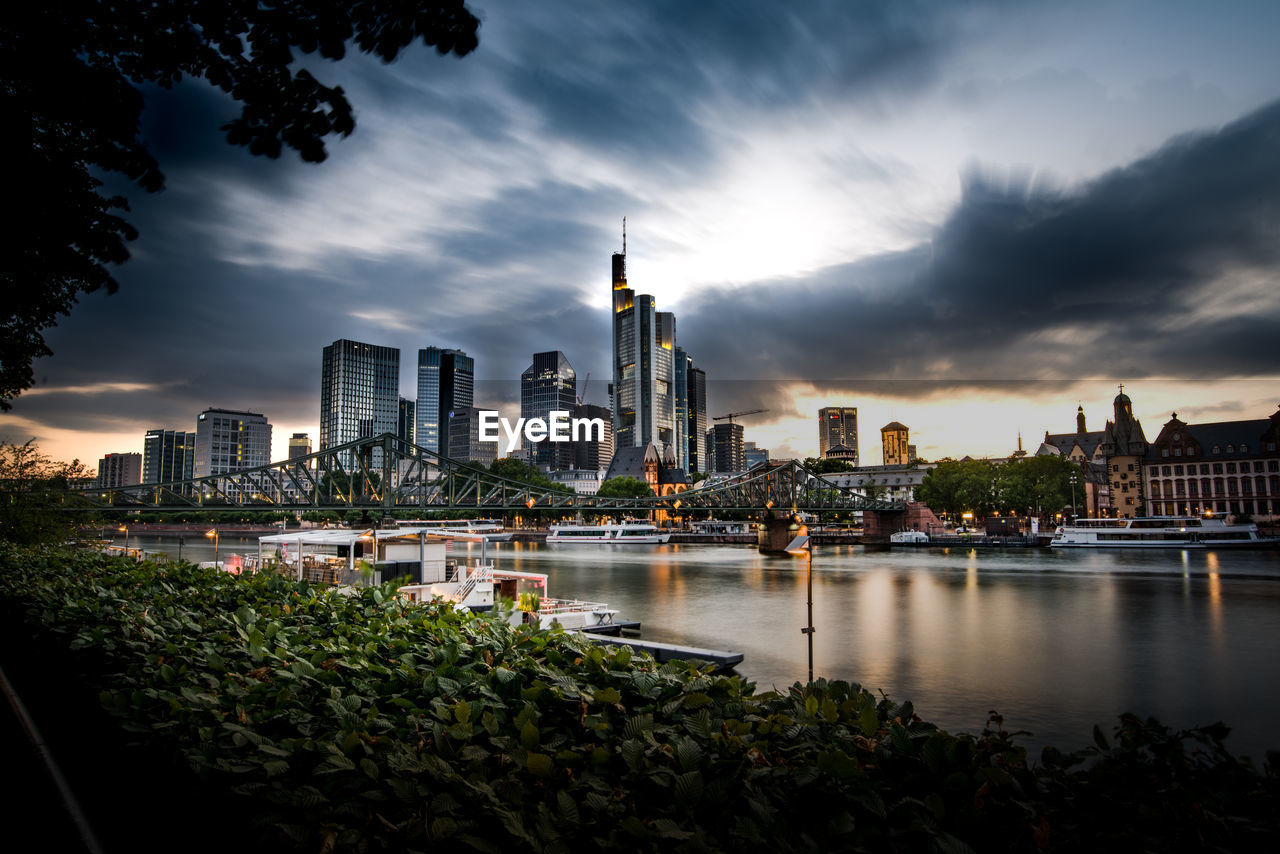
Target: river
x,y
1054,641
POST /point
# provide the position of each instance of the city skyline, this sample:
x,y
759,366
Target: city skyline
x,y
966,220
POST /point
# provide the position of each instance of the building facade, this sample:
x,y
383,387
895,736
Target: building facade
x,y
446,383
299,445
119,470
892,482
751,455
680,376
838,425
894,446
643,388
168,456
590,454
696,389
1125,447
1222,468
724,447
549,384
359,394
230,440
406,422
464,438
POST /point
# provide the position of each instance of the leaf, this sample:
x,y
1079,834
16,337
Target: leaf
x,y
540,764
529,736
689,754
688,789
668,829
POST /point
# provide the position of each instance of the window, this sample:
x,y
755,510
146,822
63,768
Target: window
x,y
1177,452
1231,449
1204,468
1217,450
1244,449
1257,466
1166,471
1177,470
1217,468
1177,437
1231,468
1115,468
1164,452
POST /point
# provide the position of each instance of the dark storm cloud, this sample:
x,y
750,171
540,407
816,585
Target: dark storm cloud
x,y
1162,268
637,80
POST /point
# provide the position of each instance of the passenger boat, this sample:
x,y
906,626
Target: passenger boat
x,y
490,529
1158,532
909,537
640,533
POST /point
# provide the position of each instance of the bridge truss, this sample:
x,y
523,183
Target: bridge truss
x,y
386,474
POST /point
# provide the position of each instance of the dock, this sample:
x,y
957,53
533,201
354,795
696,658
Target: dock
x,y
722,659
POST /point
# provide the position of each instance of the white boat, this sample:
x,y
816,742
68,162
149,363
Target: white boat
x,y
476,588
640,533
491,530
909,537
1158,532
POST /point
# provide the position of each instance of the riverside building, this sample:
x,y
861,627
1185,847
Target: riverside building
x,y
643,389
359,394
229,440
549,385
168,456
838,427
446,384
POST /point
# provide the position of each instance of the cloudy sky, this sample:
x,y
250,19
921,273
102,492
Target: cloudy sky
x,y
969,218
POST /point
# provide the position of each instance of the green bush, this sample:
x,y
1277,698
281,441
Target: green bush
x,y
360,723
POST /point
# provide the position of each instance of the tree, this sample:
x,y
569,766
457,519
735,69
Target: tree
x,y
27,513
826,465
1037,486
954,487
70,101
624,487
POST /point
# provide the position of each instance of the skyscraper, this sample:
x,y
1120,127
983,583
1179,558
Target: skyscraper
x,y
549,384
838,427
359,394
119,470
230,440
406,426
168,456
589,453
680,375
299,445
643,386
446,382
696,388
724,447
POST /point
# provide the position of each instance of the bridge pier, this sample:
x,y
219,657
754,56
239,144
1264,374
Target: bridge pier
x,y
878,525
777,532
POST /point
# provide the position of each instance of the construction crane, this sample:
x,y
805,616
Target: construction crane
x,y
733,415
584,388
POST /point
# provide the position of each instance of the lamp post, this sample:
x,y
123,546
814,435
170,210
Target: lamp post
x,y
125,528
802,545
1074,479
213,533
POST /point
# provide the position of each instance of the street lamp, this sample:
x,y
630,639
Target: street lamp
x,y
213,533
802,545
1074,479
125,528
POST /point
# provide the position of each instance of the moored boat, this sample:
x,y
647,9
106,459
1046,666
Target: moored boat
x,y
640,533
1159,532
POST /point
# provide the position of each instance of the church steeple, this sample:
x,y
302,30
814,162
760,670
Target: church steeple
x,y
1080,428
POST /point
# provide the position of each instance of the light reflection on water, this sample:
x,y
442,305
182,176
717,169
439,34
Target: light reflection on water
x,y
1055,641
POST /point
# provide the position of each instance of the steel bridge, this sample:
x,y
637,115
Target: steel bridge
x,y
385,474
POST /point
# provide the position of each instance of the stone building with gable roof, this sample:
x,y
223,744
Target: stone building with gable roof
x,y
1220,468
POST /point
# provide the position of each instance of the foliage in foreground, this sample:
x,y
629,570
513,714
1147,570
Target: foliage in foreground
x,y
357,723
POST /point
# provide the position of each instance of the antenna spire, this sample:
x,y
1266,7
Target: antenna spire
x,y
624,235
